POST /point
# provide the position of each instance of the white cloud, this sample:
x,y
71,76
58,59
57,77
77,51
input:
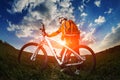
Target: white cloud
x,y
90,25
84,14
87,1
84,2
66,8
109,11
81,24
88,38
65,3
81,8
19,5
23,30
100,20
97,3
111,39
83,5
43,10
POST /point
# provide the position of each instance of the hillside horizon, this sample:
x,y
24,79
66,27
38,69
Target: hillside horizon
x,y
6,43
107,67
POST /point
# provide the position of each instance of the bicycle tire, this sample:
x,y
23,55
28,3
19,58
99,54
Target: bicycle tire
x,y
85,68
92,55
44,56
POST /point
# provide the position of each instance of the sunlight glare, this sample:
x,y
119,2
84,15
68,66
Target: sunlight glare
x,y
62,42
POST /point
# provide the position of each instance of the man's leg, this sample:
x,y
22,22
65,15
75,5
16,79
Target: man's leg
x,y
62,51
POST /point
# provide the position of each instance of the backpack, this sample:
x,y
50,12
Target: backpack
x,y
72,29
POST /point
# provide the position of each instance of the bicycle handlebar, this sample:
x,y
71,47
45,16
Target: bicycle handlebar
x,y
43,30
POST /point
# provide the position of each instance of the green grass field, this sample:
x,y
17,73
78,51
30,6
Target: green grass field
x,y
108,67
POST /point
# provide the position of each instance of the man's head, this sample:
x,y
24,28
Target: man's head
x,y
61,19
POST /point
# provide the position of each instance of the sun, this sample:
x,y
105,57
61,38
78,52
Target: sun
x,y
62,42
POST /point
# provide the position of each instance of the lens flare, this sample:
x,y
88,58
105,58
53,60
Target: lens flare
x,y
62,42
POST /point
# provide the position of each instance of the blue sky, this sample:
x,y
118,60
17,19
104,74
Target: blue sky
x,y
98,20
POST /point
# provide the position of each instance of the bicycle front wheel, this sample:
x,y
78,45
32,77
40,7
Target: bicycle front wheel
x,y
38,57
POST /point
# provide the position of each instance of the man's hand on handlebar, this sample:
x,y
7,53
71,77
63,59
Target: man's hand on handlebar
x,y
43,30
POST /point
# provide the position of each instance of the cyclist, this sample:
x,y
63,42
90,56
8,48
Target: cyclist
x,y
70,34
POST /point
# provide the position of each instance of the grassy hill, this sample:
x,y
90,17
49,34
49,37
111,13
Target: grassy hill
x,y
108,67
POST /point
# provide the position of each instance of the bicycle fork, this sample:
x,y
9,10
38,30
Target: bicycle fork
x,y
33,57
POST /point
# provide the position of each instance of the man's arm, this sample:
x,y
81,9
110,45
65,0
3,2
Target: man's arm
x,y
54,33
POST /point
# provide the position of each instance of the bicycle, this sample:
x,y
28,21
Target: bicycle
x,y
85,62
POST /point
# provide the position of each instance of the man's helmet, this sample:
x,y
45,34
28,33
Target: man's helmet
x,y
61,19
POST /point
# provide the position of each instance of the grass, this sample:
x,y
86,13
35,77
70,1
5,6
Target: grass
x,y
108,67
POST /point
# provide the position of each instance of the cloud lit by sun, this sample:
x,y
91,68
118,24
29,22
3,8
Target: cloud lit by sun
x,y
97,19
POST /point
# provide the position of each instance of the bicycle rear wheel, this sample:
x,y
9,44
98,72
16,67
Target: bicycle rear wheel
x,y
90,60
25,58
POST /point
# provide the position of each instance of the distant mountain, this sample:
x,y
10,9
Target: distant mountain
x,y
108,67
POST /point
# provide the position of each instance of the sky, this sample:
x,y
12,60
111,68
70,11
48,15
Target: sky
x,y
98,20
